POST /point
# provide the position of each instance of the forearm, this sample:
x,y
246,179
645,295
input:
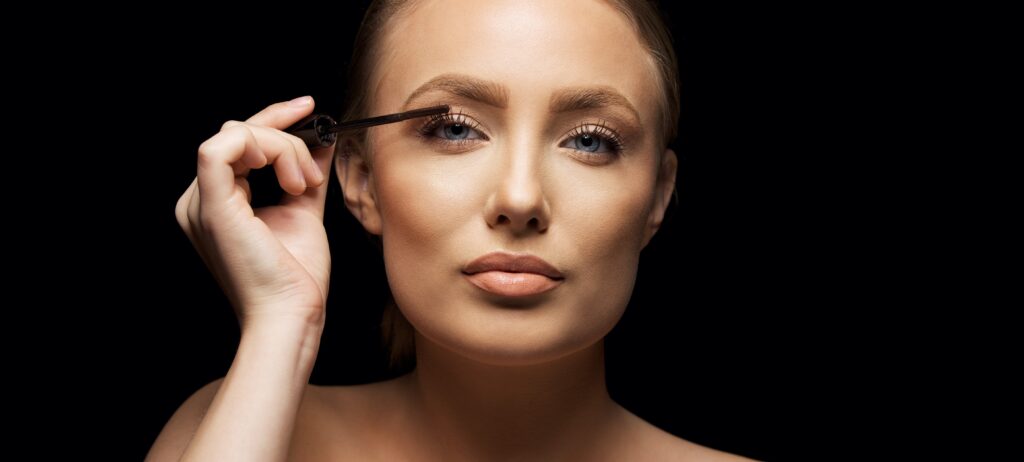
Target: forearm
x,y
252,416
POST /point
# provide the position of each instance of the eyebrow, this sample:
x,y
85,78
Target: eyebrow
x,y
484,91
495,94
579,98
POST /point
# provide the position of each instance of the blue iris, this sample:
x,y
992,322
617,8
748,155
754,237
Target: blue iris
x,y
587,142
456,131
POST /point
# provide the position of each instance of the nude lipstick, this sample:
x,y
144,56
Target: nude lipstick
x,y
512,275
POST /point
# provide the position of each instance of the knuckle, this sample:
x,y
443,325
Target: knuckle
x,y
209,147
181,210
214,147
193,220
229,124
206,220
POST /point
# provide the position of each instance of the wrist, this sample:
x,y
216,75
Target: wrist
x,y
285,327
289,317
281,334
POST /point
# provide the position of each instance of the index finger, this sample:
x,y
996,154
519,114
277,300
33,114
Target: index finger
x,y
283,115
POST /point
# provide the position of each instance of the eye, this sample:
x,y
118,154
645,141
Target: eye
x,y
593,138
451,128
455,131
588,142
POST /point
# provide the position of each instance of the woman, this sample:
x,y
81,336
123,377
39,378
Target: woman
x,y
511,230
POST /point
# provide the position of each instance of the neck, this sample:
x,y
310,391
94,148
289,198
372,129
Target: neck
x,y
489,412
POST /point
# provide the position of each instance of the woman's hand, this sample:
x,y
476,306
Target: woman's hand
x,y
272,262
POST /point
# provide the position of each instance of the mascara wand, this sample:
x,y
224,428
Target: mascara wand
x,y
320,130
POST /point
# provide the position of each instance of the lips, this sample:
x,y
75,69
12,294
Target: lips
x,y
512,275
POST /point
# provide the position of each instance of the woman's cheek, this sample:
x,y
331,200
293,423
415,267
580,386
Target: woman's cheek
x,y
422,200
612,216
612,224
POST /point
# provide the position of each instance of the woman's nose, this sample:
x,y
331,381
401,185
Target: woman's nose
x,y
519,204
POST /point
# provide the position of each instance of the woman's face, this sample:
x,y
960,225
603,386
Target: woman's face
x,y
552,149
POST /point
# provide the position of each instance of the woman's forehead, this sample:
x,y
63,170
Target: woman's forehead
x,y
532,49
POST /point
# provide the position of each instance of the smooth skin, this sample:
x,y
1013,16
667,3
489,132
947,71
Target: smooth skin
x,y
496,379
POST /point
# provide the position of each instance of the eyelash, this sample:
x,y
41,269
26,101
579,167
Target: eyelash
x,y
437,121
599,130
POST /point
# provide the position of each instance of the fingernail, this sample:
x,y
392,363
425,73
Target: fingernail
x,y
301,101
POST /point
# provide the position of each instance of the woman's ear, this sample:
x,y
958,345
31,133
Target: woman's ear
x,y
666,186
357,184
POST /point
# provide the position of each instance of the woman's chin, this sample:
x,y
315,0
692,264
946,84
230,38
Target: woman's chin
x,y
507,344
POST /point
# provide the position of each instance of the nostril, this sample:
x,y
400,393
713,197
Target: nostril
x,y
502,219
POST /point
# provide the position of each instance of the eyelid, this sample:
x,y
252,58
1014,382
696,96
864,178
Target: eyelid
x,y
458,116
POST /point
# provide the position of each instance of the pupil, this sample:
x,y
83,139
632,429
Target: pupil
x,y
587,140
456,129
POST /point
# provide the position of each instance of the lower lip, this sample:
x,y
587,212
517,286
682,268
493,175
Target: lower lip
x,y
513,284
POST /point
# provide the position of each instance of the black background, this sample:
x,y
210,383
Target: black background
x,y
741,331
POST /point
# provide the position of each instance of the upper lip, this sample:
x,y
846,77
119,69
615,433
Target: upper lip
x,y
512,263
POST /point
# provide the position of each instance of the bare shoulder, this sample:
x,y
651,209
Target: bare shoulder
x,y
344,422
657,444
178,430
363,405
365,397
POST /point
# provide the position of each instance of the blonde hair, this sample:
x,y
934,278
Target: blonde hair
x,y
396,332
